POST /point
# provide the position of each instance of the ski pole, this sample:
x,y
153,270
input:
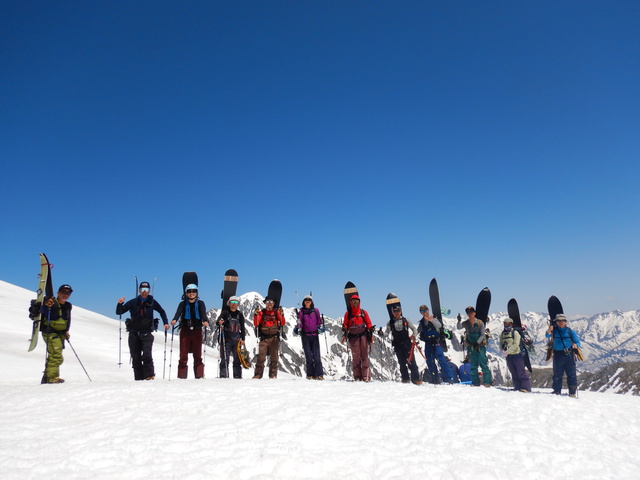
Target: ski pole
x,y
171,351
120,343
164,364
79,361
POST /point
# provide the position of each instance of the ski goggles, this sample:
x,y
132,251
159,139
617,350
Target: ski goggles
x,y
144,289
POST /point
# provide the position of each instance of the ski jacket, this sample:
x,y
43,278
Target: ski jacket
x,y
309,319
233,325
265,318
56,319
191,316
510,342
400,329
563,338
429,330
142,313
475,333
356,316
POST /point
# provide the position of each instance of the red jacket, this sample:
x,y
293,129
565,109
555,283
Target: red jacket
x,y
266,318
355,316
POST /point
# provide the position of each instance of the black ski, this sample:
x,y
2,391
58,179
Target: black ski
x,y
349,290
275,292
188,278
514,314
436,310
392,301
482,304
229,287
555,308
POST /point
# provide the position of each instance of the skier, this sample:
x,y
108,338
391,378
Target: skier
x,y
565,344
429,331
268,322
308,327
55,330
141,326
357,328
476,341
231,321
404,342
192,314
510,344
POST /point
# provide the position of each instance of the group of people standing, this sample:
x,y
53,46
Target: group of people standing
x,y
357,329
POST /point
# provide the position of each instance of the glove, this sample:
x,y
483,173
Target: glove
x,y
296,332
34,309
459,318
321,329
380,332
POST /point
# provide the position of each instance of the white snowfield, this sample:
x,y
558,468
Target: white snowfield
x,y
116,428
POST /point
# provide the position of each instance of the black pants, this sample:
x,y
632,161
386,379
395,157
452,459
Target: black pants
x,y
403,350
140,345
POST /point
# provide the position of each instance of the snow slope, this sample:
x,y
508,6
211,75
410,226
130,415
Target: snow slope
x,y
114,427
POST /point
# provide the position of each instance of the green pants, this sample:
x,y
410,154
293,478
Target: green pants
x,y
54,344
478,358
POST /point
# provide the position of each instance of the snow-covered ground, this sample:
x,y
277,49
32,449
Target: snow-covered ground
x,y
114,427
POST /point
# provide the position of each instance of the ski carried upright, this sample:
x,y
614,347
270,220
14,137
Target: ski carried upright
x,y
434,297
45,288
514,314
555,308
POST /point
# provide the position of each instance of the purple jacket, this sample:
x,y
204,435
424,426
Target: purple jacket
x,y
309,320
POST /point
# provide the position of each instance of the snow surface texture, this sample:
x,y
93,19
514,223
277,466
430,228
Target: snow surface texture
x,y
114,427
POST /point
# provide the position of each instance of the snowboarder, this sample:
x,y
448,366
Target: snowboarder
x,y
476,341
141,326
232,322
192,314
510,342
404,343
54,326
268,322
429,332
357,328
565,344
308,327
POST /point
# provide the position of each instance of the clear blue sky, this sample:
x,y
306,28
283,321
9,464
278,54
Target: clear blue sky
x,y
482,143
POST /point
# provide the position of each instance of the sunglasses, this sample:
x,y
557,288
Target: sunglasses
x,y
235,302
65,292
269,301
423,311
145,289
192,291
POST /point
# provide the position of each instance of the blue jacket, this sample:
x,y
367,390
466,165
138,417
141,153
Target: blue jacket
x,y
563,338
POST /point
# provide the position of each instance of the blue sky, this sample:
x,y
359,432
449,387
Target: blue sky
x,y
386,143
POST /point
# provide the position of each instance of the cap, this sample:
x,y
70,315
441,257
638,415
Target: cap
x,y
469,309
423,307
191,286
307,297
145,285
355,297
234,299
66,286
507,320
560,316
267,298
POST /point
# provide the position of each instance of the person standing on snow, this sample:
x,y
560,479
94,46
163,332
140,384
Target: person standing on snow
x,y
565,344
404,343
429,332
476,341
231,321
141,327
55,330
308,327
357,328
192,314
510,344
268,322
